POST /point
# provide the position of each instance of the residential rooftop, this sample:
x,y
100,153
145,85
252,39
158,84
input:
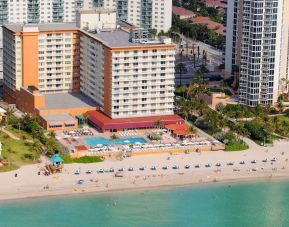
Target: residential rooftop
x,y
180,11
66,101
95,10
20,27
112,38
120,38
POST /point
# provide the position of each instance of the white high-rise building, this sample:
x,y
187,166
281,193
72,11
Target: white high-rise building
x,y
148,14
257,45
40,11
145,13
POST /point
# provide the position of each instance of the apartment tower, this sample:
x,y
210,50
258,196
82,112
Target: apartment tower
x,y
257,48
148,14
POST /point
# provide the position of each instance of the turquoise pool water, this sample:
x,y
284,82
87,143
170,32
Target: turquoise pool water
x,y
94,141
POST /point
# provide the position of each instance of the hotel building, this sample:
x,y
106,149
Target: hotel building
x,y
145,13
46,56
257,44
117,70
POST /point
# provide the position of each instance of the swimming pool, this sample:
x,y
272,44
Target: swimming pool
x,y
94,141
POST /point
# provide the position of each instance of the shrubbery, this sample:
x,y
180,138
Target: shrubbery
x,y
231,141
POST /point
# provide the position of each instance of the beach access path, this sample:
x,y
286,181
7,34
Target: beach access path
x,y
29,184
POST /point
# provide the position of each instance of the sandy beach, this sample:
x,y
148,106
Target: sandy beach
x,y
29,184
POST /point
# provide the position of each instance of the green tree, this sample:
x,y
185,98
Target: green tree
x,y
37,147
51,145
158,124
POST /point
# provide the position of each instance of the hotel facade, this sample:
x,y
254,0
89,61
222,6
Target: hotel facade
x,y
118,70
257,45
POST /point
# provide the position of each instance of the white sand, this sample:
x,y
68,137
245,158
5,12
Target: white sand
x,y
29,184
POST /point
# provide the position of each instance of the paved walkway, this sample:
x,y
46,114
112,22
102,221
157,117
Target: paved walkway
x,y
10,134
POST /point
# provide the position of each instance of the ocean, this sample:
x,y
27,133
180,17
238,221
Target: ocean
x,y
219,205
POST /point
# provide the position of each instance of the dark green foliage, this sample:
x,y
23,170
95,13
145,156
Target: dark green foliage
x,y
199,32
256,130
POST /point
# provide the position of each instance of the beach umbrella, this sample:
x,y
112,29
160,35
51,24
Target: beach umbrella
x,y
56,159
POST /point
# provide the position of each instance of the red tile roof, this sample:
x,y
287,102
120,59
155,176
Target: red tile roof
x,y
81,148
180,11
215,3
212,25
180,129
105,123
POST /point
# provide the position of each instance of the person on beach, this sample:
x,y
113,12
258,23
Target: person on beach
x,y
15,175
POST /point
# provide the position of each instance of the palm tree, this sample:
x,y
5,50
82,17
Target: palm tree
x,y
205,58
36,146
280,106
52,134
158,124
181,69
191,129
9,115
223,86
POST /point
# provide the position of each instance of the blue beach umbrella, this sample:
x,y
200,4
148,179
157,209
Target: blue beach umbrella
x,y
56,159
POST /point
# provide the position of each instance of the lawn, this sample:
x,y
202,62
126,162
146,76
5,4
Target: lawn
x,y
237,146
19,133
16,153
85,159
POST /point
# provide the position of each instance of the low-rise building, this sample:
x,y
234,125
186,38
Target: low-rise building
x,y
212,25
182,13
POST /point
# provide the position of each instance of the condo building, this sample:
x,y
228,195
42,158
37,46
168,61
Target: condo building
x,y
257,45
145,13
117,70
40,11
148,14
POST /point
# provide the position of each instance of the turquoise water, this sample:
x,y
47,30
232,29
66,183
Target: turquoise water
x,y
94,141
237,205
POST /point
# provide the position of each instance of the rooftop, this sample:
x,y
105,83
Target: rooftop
x,y
58,117
212,25
104,122
119,38
66,101
2,111
180,11
95,10
18,27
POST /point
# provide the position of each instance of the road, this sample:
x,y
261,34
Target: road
x,y
214,55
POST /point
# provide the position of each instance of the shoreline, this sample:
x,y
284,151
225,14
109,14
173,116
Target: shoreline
x,y
29,185
63,193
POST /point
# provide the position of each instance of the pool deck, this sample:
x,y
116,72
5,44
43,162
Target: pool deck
x,y
116,149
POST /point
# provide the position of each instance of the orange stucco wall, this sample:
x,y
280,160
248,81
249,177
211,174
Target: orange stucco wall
x,y
27,102
30,59
214,99
45,124
107,81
